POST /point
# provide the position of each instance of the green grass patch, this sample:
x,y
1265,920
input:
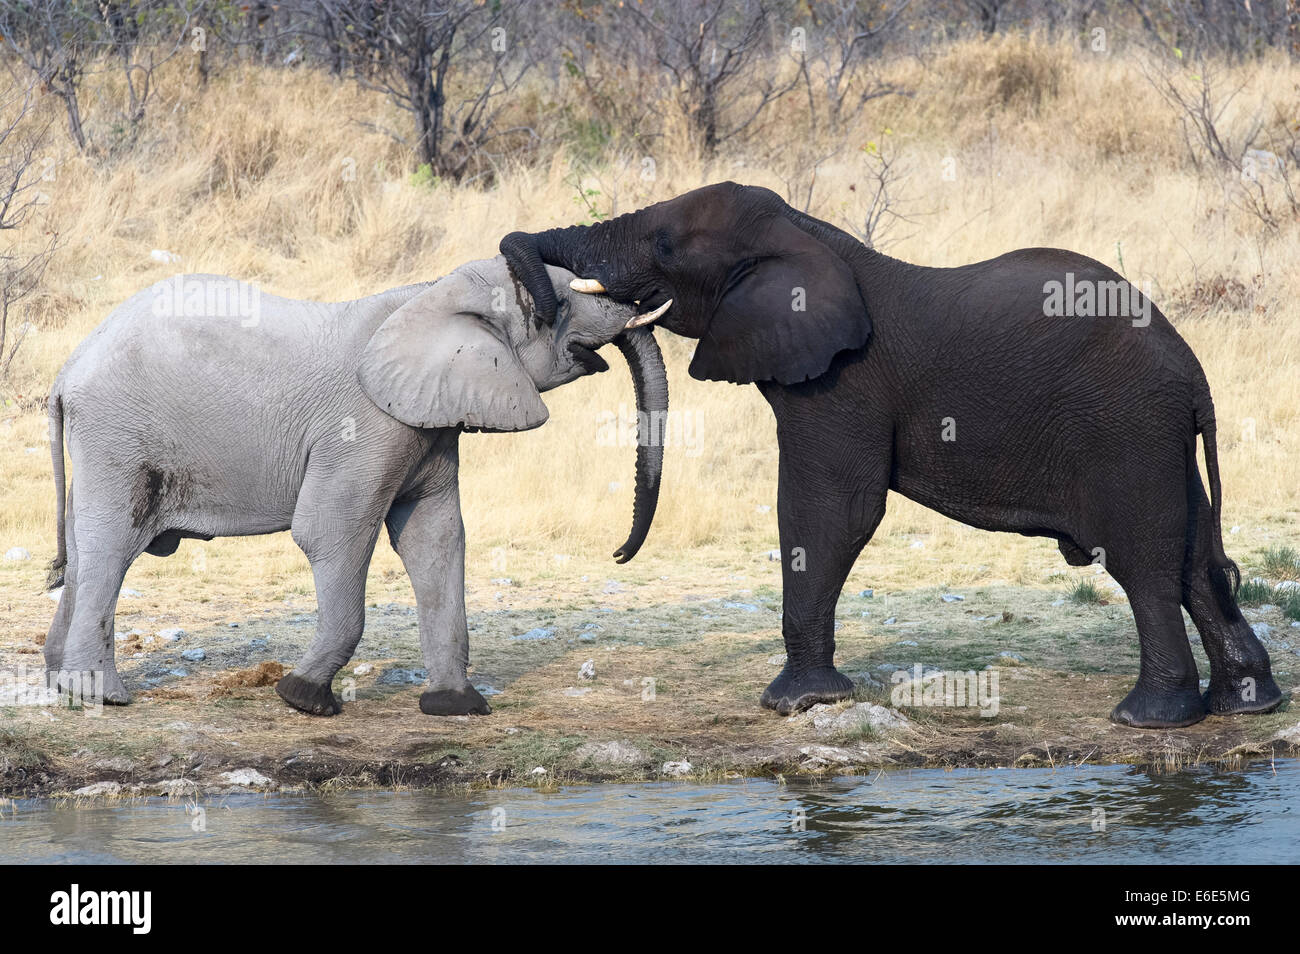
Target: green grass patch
x,y
1282,563
1289,600
1254,593
1084,592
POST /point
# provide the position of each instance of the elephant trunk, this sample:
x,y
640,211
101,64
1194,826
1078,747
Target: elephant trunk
x,y
575,248
650,380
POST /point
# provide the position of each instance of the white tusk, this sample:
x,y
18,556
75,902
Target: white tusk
x,y
641,321
588,286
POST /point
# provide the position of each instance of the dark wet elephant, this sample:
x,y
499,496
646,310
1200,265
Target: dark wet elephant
x,y
968,390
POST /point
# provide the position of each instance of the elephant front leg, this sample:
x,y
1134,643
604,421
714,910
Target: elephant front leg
x,y
428,535
337,529
824,526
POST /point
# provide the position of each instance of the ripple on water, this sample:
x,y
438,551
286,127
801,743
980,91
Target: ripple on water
x,y
1102,814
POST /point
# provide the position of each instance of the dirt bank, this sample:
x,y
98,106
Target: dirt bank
x,y
680,659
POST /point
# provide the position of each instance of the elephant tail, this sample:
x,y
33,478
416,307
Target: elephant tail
x,y
1228,579
60,562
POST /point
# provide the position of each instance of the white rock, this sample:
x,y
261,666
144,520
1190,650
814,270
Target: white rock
x,y
171,635
676,769
127,593
97,789
953,597
17,553
588,669
247,777
776,660
54,594
1290,735
774,555
574,691
538,771
610,753
861,715
164,256
175,787
364,669
828,755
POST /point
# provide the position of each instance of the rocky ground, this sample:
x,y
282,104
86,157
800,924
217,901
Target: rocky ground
x,y
593,678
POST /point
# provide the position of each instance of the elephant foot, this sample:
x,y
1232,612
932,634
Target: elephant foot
x,y
1245,696
1146,708
86,685
313,698
464,700
790,693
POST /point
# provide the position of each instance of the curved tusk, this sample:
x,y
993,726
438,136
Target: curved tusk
x,y
588,286
641,321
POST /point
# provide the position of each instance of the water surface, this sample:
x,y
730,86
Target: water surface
x,y
1111,814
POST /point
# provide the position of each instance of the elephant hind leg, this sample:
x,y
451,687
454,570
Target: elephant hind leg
x,y
87,653
1167,694
58,632
1241,677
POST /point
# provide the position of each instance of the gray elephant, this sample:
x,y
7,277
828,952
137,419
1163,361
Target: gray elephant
x,y
203,408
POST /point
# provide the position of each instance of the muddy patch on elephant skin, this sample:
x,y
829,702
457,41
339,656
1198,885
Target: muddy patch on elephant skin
x,y
152,487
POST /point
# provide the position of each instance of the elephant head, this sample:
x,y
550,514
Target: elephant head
x,y
473,351
771,293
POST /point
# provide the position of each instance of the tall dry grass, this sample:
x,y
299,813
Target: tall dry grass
x,y
1003,144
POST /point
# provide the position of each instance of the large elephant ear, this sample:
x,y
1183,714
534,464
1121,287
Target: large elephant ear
x,y
432,365
788,312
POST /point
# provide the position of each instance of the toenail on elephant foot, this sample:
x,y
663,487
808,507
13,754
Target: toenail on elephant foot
x,y
1245,696
790,693
313,698
464,700
1146,708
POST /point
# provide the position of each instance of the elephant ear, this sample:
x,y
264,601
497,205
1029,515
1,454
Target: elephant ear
x,y
431,365
786,314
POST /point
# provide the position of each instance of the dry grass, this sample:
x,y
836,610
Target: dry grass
x,y
1050,146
